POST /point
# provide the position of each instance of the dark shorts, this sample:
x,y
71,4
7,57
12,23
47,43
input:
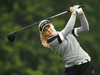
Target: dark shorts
x,y
83,69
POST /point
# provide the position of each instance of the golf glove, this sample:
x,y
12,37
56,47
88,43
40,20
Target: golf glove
x,y
78,9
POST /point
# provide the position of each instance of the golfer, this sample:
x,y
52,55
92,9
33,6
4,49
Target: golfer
x,y
64,43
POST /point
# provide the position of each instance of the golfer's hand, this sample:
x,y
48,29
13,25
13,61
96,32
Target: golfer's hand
x,y
73,9
79,10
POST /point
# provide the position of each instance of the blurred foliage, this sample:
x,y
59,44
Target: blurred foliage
x,y
26,55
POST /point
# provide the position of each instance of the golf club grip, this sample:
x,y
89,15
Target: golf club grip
x,y
81,6
65,12
78,7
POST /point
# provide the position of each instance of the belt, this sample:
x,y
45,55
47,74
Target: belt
x,y
83,62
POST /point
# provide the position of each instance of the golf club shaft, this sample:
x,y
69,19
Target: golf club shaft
x,y
47,19
40,21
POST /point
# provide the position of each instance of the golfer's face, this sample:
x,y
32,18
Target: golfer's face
x,y
48,30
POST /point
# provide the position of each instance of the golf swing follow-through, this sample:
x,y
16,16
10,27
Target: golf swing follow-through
x,y
64,43
11,36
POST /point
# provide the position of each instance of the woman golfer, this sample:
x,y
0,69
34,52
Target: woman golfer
x,y
64,43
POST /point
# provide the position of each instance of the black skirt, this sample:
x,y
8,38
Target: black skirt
x,y
83,69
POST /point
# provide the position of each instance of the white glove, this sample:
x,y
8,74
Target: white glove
x,y
78,9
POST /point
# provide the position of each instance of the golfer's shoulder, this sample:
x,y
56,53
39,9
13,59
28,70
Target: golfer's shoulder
x,y
54,39
51,39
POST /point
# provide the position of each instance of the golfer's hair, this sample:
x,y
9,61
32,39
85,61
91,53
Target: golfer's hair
x,y
44,40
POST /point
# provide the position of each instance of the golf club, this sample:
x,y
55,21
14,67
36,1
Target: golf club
x,y
11,36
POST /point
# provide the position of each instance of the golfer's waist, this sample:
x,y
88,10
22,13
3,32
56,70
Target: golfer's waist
x,y
85,61
78,63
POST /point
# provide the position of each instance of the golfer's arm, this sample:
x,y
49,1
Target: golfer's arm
x,y
68,28
84,24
